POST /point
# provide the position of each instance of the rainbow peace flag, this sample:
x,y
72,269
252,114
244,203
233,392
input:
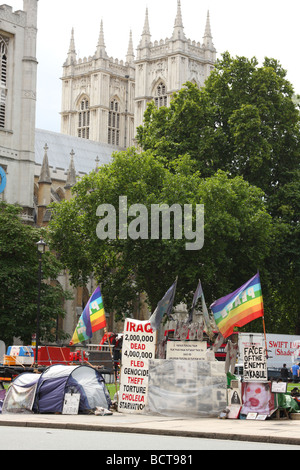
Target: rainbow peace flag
x,y
91,320
239,308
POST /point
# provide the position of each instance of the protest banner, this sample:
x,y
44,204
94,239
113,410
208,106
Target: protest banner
x,y
187,350
255,364
139,342
257,398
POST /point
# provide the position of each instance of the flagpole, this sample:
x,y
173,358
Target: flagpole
x,y
111,355
158,327
264,325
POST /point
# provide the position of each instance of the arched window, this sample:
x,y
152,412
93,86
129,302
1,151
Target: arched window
x,y
161,97
114,123
84,119
3,79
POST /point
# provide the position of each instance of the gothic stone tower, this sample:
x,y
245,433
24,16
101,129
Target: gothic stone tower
x,y
98,96
18,69
163,67
104,99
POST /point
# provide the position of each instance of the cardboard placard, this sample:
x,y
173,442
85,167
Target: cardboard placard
x,y
71,404
187,350
255,364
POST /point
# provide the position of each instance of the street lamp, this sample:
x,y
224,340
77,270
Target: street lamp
x,y
41,248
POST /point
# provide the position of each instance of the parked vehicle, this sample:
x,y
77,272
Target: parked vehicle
x,y
281,349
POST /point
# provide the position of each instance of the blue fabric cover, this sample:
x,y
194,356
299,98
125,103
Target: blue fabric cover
x,y
50,396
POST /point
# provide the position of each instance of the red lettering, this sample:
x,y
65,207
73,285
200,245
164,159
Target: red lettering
x,y
131,397
148,328
137,364
137,346
139,327
135,380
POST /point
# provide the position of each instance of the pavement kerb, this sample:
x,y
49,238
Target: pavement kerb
x,y
246,437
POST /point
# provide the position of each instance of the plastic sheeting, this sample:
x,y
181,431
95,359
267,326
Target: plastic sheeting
x,y
2,397
21,394
186,388
19,400
288,402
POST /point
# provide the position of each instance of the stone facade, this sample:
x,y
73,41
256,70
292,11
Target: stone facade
x,y
40,166
104,99
18,32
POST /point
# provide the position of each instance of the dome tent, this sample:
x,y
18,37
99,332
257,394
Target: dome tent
x,y
50,387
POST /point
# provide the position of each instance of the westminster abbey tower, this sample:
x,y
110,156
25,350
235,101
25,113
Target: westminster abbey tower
x,y
104,99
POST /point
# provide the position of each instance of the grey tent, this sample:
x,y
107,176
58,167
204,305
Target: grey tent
x,y
45,393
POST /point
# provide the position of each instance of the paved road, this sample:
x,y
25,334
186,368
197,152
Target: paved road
x,y
14,438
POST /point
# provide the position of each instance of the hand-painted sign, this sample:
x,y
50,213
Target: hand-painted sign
x,y
139,342
2,180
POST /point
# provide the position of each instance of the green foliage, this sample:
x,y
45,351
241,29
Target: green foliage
x,y
19,281
234,146
234,215
244,121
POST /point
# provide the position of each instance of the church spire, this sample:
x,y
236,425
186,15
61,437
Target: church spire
x,y
146,30
72,56
130,52
178,32
71,175
45,170
146,36
101,49
207,38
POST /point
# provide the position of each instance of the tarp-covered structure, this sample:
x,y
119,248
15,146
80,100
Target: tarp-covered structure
x,y
45,393
181,388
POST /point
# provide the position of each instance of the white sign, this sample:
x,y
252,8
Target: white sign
x,y
255,364
187,350
283,349
139,342
279,387
71,404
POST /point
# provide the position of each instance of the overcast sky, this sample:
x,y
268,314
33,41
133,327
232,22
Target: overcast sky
x,y
260,28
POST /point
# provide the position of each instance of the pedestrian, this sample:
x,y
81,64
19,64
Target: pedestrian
x,y
284,373
295,371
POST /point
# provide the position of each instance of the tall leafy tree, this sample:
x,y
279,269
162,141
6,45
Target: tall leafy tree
x,y
19,282
244,121
237,231
232,145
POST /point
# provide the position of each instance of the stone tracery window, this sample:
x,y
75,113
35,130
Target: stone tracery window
x,y
84,119
3,79
114,123
161,97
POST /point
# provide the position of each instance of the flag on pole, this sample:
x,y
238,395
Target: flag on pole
x,y
92,319
165,305
197,295
240,307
